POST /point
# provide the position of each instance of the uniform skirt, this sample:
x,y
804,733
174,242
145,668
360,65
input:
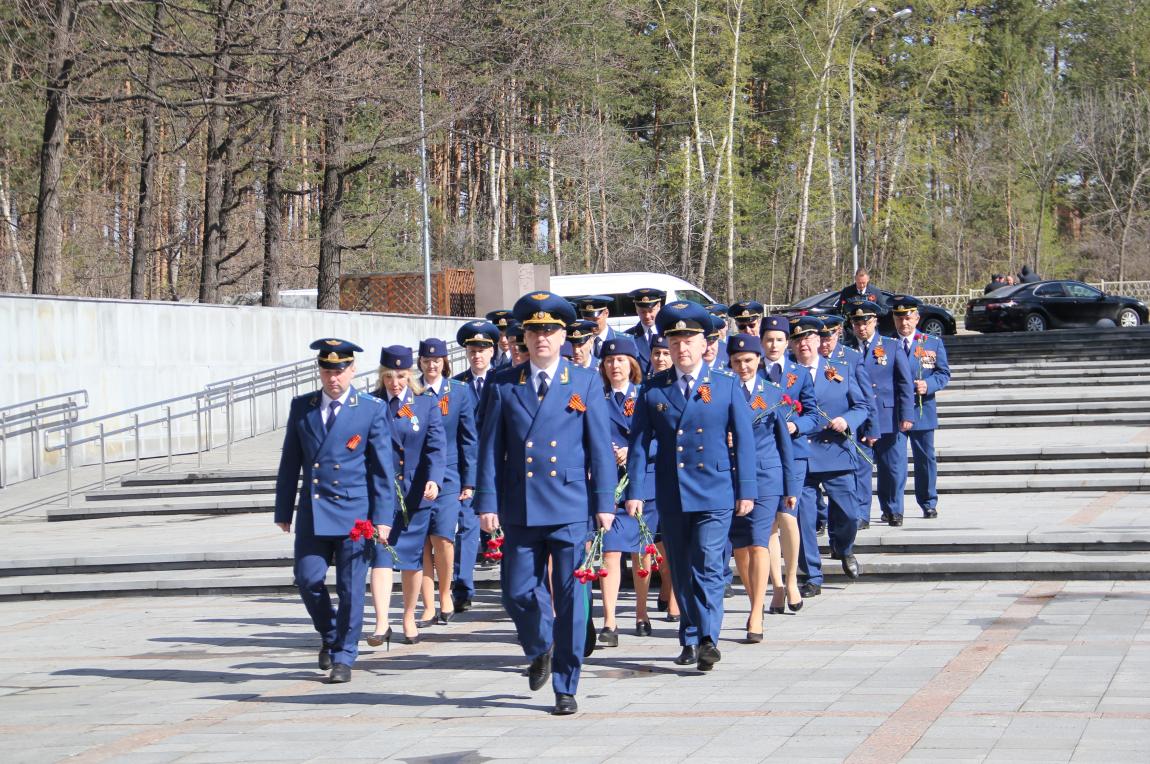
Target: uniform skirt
x,y
445,511
624,534
754,529
407,540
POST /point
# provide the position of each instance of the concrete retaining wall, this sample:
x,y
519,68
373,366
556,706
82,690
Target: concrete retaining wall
x,y
127,353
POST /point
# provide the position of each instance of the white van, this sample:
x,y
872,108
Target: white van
x,y
617,285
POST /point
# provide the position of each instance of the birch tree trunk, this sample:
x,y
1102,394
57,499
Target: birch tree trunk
x,y
738,25
142,235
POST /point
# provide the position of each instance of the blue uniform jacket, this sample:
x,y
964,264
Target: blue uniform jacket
x,y
468,380
347,472
611,335
839,394
456,406
853,358
620,422
890,378
639,333
420,446
775,471
928,363
795,381
549,462
694,469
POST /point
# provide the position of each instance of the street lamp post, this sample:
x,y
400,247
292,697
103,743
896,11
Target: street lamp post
x,y
856,232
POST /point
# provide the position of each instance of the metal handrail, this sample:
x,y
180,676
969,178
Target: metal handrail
x,y
37,414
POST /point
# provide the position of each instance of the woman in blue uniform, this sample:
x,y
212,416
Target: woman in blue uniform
x,y
461,437
619,367
417,437
779,485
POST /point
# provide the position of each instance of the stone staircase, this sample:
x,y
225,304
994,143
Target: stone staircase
x,y
1043,454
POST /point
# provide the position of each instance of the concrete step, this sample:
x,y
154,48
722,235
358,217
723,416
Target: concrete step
x,y
1085,404
198,476
1119,366
1062,394
1053,467
98,510
1047,453
998,565
1049,420
165,491
1031,483
991,381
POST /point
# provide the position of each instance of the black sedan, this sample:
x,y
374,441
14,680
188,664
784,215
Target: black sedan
x,y
932,318
1051,305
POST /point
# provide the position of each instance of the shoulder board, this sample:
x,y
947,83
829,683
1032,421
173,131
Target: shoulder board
x,y
722,372
369,398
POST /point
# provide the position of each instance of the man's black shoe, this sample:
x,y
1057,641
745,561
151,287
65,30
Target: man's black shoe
x,y
462,606
821,529
884,517
728,592
340,673
930,514
565,704
895,521
709,655
864,525
539,671
851,566
689,656
836,556
810,590
325,658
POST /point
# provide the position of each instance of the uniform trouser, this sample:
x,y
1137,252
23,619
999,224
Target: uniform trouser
x,y
728,570
466,548
339,628
864,472
890,463
821,506
529,603
841,523
925,468
697,543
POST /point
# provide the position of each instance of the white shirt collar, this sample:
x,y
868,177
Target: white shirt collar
x,y
694,373
603,334
438,387
551,371
327,401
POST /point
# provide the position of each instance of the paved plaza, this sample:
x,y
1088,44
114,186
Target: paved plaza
x,y
919,671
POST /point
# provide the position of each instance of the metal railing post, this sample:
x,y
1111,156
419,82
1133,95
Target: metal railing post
x,y
168,418
199,434
228,420
36,441
136,435
103,460
208,433
3,449
68,465
252,409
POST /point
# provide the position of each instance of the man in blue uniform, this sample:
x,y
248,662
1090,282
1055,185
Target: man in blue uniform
x,y
841,411
716,353
341,442
478,339
546,469
579,336
503,320
647,303
700,482
597,308
931,373
837,352
748,316
890,377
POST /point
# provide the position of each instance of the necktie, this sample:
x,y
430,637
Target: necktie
x,y
541,390
776,373
619,398
906,346
598,345
479,387
393,406
332,410
746,392
687,386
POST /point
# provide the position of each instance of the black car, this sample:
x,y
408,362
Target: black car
x,y
1051,305
932,318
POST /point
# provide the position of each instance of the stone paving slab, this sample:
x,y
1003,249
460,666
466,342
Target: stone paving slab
x,y
998,671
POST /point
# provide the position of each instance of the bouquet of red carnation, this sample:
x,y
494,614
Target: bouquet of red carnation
x,y
647,543
494,543
593,566
364,529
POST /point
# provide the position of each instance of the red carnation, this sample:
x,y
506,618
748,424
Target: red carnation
x,y
650,549
602,572
642,573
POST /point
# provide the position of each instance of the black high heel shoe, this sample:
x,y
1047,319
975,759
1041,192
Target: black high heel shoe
x,y
444,617
375,640
411,640
794,606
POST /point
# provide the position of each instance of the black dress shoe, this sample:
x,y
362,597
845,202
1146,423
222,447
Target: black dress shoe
x,y
754,637
672,618
661,605
836,556
810,590
565,704
444,617
930,514
689,656
642,628
884,517
895,521
324,658
820,529
340,673
462,605
609,637
728,592
851,566
539,671
864,525
709,655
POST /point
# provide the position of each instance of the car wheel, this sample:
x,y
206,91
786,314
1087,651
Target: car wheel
x,y
1035,322
934,326
1128,317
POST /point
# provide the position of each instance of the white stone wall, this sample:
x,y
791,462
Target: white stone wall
x,y
129,353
